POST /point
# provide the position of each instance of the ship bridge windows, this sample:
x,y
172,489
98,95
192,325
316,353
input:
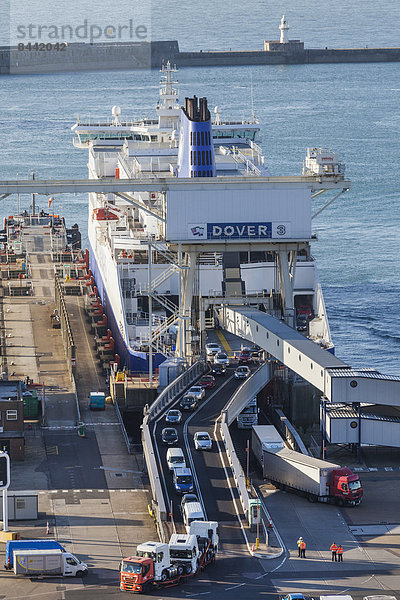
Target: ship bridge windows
x,y
248,134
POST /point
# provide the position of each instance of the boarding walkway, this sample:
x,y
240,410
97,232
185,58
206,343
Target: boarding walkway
x,y
338,381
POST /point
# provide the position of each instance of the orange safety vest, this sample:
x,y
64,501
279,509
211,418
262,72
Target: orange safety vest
x,y
302,546
340,550
334,548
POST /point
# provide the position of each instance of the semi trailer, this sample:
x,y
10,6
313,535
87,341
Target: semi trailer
x,y
316,479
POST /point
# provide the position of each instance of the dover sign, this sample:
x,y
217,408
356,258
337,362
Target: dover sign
x,y
238,231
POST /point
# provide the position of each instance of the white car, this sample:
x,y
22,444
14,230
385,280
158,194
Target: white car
x,y
202,440
196,391
221,359
212,349
242,372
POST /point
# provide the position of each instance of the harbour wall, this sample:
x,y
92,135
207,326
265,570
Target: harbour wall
x,y
85,57
150,55
310,56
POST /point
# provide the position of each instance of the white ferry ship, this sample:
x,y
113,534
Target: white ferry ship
x,y
219,166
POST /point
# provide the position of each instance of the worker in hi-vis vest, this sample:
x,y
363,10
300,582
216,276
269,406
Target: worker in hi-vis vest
x,y
334,551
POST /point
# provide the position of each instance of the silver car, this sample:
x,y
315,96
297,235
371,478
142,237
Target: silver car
x,y
212,349
221,359
242,372
196,391
202,440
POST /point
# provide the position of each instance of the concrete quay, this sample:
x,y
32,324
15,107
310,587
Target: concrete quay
x,y
91,492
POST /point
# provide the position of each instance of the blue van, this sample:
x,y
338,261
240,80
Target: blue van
x,y
28,545
183,480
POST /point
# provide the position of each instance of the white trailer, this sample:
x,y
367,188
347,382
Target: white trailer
x,y
265,437
317,479
47,562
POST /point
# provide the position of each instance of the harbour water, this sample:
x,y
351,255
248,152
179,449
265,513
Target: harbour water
x,y
350,108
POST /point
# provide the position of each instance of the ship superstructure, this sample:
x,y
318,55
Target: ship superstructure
x,y
206,224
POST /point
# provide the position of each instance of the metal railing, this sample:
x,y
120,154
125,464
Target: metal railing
x,y
128,443
246,392
167,396
234,462
66,330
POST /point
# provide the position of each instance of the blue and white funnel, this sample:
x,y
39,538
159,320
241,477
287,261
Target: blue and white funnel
x,y
196,150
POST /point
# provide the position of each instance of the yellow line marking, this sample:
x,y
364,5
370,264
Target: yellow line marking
x,y
223,341
57,450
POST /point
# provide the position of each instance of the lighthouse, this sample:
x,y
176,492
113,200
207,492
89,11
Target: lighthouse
x,y
284,28
284,44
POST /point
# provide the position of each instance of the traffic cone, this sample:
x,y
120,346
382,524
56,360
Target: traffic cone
x,y
253,548
270,523
48,528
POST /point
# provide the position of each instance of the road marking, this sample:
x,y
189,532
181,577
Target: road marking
x,y
185,437
229,486
234,587
223,341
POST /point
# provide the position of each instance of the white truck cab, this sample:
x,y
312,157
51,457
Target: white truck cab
x,y
205,530
159,552
184,549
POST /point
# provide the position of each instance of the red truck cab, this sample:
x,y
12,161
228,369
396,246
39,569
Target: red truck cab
x,y
345,486
136,574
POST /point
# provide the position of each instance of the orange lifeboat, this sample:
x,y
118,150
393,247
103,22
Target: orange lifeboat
x,y
104,214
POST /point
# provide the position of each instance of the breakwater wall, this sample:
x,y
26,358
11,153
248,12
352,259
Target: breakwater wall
x,y
310,56
63,57
51,58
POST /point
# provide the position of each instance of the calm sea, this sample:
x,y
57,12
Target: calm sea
x,y
352,109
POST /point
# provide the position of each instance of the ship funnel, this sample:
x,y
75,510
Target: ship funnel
x,y
196,149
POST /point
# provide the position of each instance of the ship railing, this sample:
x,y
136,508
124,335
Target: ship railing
x,y
241,158
256,147
165,302
210,258
164,326
128,168
161,277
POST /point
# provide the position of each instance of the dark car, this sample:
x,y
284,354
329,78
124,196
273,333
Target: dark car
x,y
302,322
255,350
219,370
188,403
169,436
245,356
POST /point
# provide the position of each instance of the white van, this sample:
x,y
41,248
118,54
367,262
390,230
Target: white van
x,y
175,458
192,511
